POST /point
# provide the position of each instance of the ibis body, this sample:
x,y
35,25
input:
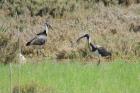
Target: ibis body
x,y
40,38
101,50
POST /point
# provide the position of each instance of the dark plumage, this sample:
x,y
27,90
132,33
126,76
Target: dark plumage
x,y
42,33
101,50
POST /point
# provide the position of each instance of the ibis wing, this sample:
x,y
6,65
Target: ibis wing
x,y
103,52
29,43
40,40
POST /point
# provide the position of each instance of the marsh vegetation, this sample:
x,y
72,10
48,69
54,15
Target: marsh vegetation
x,y
113,24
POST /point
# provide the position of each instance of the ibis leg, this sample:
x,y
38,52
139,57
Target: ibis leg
x,y
99,61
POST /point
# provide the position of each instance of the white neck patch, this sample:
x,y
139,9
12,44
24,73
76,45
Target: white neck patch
x,y
46,29
89,40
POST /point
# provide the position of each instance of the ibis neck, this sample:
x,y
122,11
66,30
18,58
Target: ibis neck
x,y
89,40
93,47
46,29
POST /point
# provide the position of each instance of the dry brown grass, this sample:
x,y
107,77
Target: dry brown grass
x,y
108,27
8,48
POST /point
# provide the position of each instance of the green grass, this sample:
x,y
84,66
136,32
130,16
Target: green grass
x,y
74,77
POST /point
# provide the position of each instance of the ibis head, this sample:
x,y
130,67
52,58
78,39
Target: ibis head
x,y
84,36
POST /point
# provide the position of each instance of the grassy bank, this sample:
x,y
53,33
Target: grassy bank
x,y
50,77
